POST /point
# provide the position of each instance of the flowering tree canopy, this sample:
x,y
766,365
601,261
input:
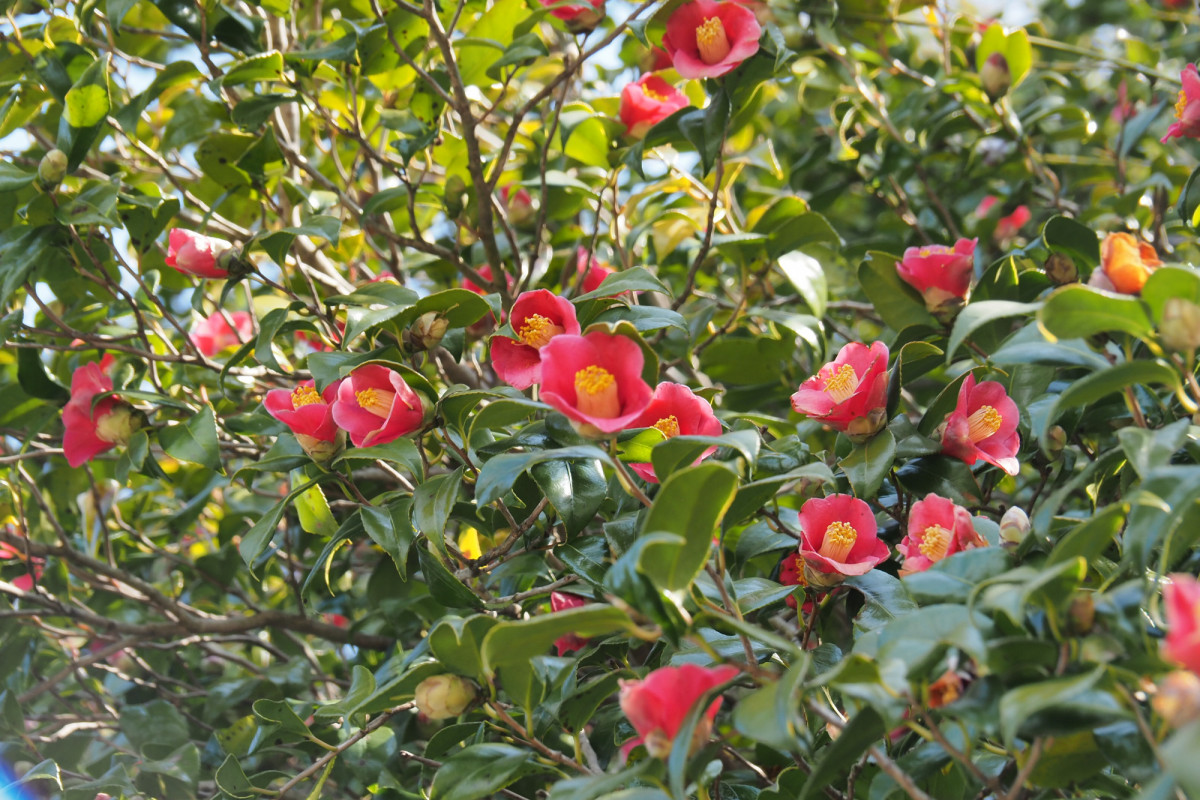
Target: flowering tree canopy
x,y
586,400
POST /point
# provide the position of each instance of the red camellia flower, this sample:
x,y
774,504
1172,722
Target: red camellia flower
x,y
309,415
484,326
675,410
9,553
1182,596
93,429
561,601
537,317
647,102
1187,107
375,406
941,274
791,573
195,254
839,537
1125,264
214,334
577,16
518,204
983,425
706,38
594,270
1006,227
850,392
596,380
658,704
936,528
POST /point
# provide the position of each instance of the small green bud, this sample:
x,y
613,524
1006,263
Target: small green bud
x,y
52,169
444,696
1061,269
1180,328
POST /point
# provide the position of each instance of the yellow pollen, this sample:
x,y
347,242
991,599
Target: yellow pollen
x,y
593,380
1181,104
935,543
841,385
537,331
377,401
668,426
305,396
839,540
711,40
983,423
657,97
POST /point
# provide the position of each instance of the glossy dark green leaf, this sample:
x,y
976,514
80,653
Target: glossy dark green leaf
x,y
194,441
391,528
575,488
895,301
1076,312
869,463
1065,235
690,506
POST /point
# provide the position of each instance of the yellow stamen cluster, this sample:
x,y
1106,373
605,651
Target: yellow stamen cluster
x,y
537,331
596,392
593,380
839,540
712,41
377,401
983,423
305,396
668,426
842,384
1181,104
657,97
935,544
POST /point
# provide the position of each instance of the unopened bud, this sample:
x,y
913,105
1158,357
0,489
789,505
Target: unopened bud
x,y
320,450
444,696
995,76
1180,328
427,331
230,259
863,428
1055,442
587,20
1014,526
1061,269
1178,698
1081,615
52,169
817,580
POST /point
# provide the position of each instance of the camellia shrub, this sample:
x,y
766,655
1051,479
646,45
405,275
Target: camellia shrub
x,y
592,400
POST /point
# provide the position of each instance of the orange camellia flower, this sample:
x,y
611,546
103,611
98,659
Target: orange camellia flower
x,y
1187,107
937,528
658,704
1125,264
647,102
706,39
838,537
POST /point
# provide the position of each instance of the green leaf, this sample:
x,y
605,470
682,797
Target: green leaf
x,y
313,511
34,381
194,441
690,505
1076,312
1167,282
232,780
869,463
515,641
679,451
768,715
391,528
480,771
1189,199
445,588
155,729
1073,239
1020,705
864,729
635,279
1179,755
256,540
498,474
705,128
1091,388
433,501
87,104
576,488
398,451
980,313
263,67
807,275
886,599
952,579
1091,538
897,303
458,643
13,178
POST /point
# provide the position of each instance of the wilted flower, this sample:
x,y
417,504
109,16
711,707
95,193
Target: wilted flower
x,y
675,410
94,427
1187,106
537,317
213,334
937,528
484,326
706,39
850,392
443,696
791,573
595,380
375,406
1125,264
658,704
838,537
983,425
941,274
561,601
195,254
309,415
1182,596
647,102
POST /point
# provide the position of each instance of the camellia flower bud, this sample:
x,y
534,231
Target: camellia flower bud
x,y
444,696
1014,526
1061,269
52,169
1081,616
1055,442
1178,698
427,331
1180,328
995,76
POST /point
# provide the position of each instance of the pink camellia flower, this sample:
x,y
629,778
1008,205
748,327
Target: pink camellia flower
x,y
23,582
1187,107
214,334
195,254
1182,596
983,425
578,16
1008,226
94,427
936,528
518,204
838,537
675,410
706,39
595,380
647,102
562,601
941,274
483,327
375,406
537,317
658,704
850,392
309,415
594,270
